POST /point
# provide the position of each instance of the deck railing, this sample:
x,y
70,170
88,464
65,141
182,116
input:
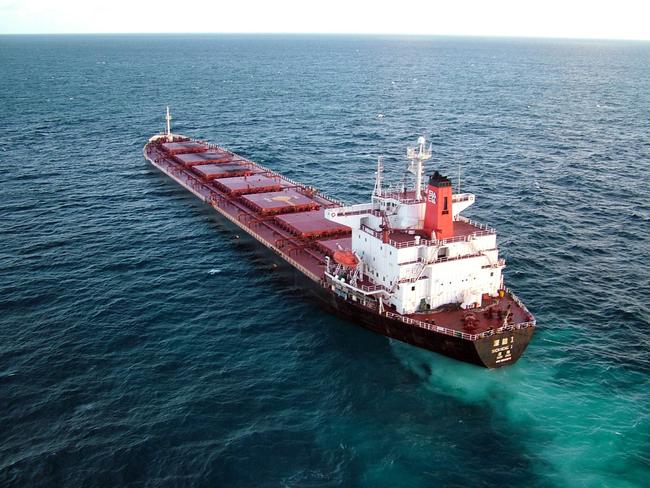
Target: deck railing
x,y
396,244
432,327
466,335
363,288
462,197
474,223
373,288
485,230
362,209
426,262
408,198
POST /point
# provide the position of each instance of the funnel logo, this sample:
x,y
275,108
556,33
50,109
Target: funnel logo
x,y
432,196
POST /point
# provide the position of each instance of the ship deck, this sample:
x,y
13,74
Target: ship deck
x,y
290,220
489,316
261,213
461,228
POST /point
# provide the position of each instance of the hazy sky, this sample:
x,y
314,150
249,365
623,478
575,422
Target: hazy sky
x,y
608,19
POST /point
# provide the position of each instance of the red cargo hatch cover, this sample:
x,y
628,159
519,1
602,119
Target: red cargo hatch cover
x,y
279,202
311,224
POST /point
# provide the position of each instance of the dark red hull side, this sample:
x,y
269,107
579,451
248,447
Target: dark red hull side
x,y
494,351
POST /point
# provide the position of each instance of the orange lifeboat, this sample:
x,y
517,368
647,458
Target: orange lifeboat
x,y
346,258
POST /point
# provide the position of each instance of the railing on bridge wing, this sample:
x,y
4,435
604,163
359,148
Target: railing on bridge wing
x,y
427,242
462,197
361,209
483,227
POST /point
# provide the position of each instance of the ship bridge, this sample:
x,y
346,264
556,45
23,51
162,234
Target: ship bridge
x,y
416,247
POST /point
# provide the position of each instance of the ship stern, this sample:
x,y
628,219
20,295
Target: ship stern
x,y
503,348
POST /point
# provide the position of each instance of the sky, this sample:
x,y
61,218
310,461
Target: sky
x,y
597,19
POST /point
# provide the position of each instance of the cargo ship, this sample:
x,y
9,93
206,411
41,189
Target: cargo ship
x,y
406,264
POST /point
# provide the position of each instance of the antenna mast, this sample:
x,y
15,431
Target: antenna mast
x,y
168,118
458,178
380,169
418,157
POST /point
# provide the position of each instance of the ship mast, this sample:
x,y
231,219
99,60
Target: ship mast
x,y
380,168
418,157
168,118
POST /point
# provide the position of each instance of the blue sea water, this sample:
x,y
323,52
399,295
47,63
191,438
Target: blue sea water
x,y
143,345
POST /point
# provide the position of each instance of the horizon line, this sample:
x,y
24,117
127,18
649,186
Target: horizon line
x,y
369,34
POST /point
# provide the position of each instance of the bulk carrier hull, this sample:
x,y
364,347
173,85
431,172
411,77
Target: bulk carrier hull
x,y
307,247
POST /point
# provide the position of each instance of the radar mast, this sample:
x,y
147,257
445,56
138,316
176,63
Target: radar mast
x,y
418,156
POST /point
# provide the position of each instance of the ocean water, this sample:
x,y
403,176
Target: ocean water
x,y
142,344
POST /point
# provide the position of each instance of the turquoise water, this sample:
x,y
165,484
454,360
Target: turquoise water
x,y
143,344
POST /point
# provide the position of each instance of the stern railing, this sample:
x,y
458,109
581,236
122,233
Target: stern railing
x,y
467,335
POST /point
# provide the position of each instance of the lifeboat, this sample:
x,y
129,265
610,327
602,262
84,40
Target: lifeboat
x,y
346,258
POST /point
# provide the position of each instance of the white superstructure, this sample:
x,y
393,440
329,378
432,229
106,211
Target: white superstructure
x,y
414,249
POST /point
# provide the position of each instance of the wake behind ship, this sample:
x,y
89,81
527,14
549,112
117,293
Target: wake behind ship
x,y
406,264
